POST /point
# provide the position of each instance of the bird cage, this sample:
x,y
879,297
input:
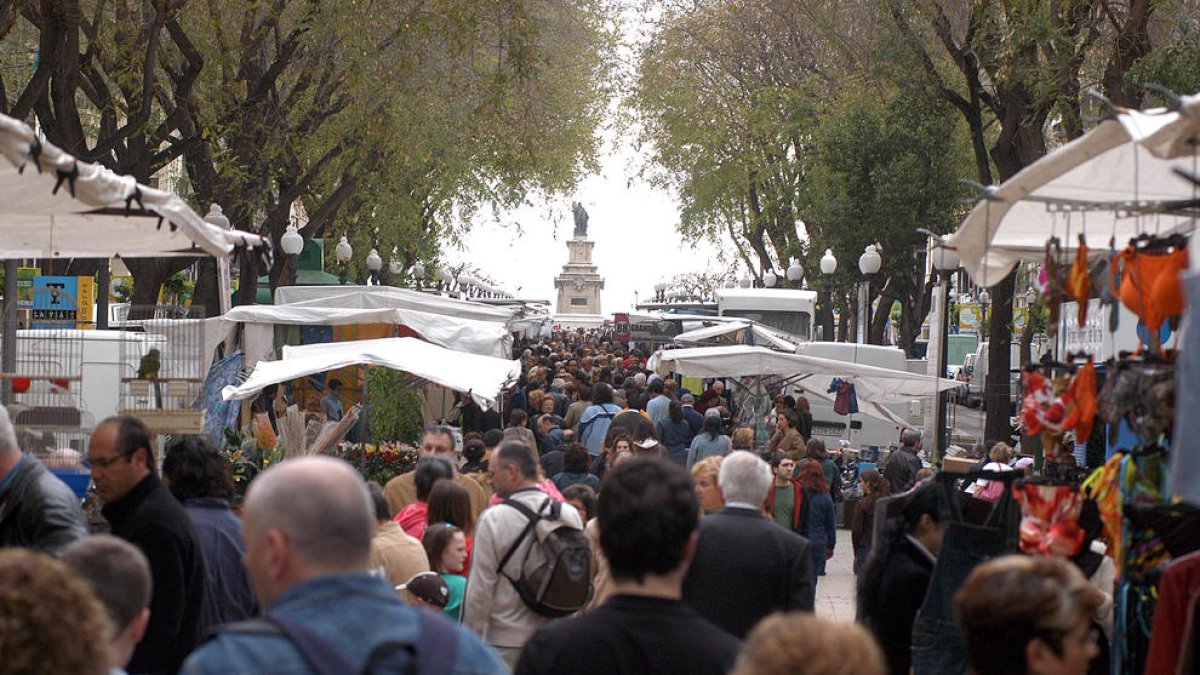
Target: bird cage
x,y
164,380
47,409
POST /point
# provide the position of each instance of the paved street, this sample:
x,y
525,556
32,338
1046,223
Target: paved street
x,y
835,590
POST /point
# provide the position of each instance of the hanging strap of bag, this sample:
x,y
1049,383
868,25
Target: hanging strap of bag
x,y
534,517
433,653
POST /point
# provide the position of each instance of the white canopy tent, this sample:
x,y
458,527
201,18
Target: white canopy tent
x,y
760,334
53,205
871,382
487,338
874,386
388,297
1117,181
483,377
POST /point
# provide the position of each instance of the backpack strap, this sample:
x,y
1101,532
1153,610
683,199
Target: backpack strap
x,y
321,654
533,517
435,650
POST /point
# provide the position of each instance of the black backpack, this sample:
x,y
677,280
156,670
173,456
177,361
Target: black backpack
x,y
560,583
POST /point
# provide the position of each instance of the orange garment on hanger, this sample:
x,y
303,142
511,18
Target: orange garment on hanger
x,y
1079,284
1083,396
1150,285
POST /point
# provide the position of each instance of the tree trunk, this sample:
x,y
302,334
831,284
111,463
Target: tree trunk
x,y
996,388
207,295
148,277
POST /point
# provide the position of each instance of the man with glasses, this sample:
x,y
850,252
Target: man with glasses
x,y
143,512
37,510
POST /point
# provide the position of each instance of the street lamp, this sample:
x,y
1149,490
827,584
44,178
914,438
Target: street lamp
x,y
745,281
343,252
770,279
985,299
395,267
292,244
795,272
660,290
945,261
868,263
374,264
828,267
418,273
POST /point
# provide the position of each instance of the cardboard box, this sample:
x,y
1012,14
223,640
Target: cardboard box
x,y
958,464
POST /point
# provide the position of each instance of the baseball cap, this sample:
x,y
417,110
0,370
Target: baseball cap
x,y
428,586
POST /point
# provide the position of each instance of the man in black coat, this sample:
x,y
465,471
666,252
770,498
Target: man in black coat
x,y
746,566
647,516
143,512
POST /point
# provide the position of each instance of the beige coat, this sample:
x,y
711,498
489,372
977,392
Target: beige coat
x,y
401,491
400,555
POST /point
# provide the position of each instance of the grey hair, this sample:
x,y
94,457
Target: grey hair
x,y
910,436
8,436
744,477
323,507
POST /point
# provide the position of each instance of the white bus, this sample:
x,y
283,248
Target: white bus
x,y
788,310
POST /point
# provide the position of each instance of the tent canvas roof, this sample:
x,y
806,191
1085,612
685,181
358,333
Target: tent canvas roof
x,y
1115,181
484,377
53,205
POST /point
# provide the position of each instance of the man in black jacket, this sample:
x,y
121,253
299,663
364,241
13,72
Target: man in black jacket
x,y
647,516
37,510
903,464
143,512
746,566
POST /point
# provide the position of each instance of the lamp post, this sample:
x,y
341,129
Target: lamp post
x,y
374,264
394,268
985,299
769,278
745,281
795,273
945,261
868,263
292,244
828,267
660,290
343,252
418,274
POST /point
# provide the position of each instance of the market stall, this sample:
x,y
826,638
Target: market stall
x,y
1110,216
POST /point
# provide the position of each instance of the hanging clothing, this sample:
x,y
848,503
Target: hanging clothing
x,y
1180,585
845,401
1184,476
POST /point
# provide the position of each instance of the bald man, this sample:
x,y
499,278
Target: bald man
x,y
308,526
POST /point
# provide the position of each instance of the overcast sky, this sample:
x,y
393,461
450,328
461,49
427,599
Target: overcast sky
x,y
632,223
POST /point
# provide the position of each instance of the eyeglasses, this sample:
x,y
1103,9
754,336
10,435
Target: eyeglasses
x,y
102,462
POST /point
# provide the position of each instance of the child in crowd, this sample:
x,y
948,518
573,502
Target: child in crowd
x,y
446,548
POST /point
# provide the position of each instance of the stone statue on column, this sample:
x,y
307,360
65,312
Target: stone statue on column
x,y
581,220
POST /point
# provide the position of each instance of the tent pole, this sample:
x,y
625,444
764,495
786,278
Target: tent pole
x,y
8,336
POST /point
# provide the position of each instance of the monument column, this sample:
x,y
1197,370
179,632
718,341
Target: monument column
x,y
580,283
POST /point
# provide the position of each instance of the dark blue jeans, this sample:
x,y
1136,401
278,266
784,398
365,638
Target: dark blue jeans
x,y
937,648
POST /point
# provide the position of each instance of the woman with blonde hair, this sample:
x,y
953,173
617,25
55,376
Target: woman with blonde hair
x,y
742,439
991,490
801,643
704,474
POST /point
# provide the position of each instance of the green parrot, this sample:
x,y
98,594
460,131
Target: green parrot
x,y
148,367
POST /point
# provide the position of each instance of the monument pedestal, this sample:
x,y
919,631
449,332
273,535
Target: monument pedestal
x,y
580,284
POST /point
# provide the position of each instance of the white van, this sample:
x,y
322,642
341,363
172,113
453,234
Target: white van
x,y
786,309
861,430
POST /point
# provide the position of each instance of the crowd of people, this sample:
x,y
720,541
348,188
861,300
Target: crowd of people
x,y
616,523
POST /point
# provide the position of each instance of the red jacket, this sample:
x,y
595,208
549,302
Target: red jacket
x,y
799,497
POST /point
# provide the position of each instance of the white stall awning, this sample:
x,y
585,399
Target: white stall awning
x,y
483,377
53,205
